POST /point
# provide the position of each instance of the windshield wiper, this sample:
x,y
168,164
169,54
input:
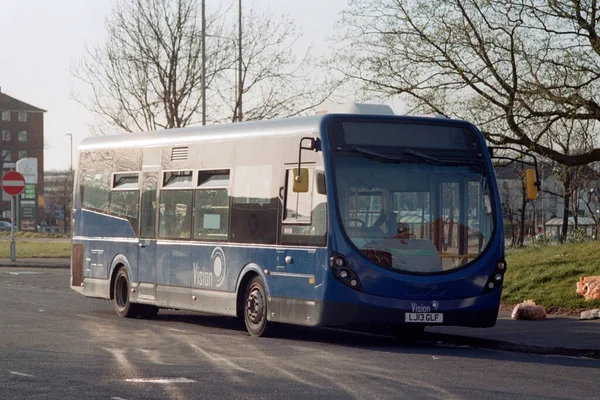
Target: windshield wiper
x,y
378,155
413,154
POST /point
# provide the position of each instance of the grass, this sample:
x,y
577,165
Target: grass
x,y
548,275
27,248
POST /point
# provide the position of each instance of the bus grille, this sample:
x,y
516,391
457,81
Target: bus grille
x,y
77,265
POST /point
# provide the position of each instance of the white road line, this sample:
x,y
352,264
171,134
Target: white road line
x,y
160,380
21,374
219,361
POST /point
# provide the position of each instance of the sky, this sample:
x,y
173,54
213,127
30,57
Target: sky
x,y
42,40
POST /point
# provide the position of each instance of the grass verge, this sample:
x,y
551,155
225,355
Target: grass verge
x,y
548,275
36,249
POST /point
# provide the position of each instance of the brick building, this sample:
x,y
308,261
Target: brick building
x,y
21,136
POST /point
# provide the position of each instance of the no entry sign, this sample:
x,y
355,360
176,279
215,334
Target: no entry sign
x,y
13,183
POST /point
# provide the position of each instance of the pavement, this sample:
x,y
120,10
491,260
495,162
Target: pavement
x,y
556,335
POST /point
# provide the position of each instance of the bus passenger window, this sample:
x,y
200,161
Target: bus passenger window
x,y
212,214
211,205
175,206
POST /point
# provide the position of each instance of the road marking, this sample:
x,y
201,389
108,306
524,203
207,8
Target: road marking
x,y
160,380
219,361
21,374
25,273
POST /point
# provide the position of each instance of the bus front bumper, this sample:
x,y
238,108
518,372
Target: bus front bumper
x,y
479,311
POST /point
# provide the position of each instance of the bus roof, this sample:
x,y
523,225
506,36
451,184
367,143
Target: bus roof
x,y
276,127
295,126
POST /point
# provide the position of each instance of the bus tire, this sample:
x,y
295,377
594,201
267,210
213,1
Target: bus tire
x,y
255,307
121,300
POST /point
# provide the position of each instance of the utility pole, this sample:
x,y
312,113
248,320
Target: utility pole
x,y
203,62
240,86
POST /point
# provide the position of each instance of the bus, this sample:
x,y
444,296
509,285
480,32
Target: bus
x,y
349,218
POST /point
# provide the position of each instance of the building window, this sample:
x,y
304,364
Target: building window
x,y
23,136
23,116
6,155
5,115
22,154
6,136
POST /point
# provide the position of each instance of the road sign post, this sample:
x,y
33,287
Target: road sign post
x,y
12,184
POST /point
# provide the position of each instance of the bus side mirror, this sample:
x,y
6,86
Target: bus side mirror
x,y
531,182
300,180
321,189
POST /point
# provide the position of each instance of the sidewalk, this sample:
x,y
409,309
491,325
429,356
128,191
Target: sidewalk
x,y
557,335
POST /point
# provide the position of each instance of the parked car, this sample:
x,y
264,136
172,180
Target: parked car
x,y
4,226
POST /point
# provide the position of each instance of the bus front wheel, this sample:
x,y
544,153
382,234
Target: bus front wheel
x,y
255,307
123,306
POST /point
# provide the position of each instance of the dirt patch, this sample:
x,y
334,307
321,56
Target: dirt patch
x,y
550,310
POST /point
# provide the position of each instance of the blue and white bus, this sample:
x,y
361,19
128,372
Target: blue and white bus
x,y
336,219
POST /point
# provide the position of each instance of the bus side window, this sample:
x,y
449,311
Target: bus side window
x,y
211,214
176,207
124,196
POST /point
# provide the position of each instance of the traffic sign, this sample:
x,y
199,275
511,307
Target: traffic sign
x,y
13,183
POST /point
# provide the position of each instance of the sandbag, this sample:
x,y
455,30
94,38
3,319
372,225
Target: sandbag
x,y
528,310
589,287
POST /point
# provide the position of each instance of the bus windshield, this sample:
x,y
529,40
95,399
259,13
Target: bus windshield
x,y
413,212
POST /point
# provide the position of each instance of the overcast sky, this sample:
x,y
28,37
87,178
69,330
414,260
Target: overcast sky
x,y
42,39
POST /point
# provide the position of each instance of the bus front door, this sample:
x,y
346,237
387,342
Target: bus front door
x,y
147,245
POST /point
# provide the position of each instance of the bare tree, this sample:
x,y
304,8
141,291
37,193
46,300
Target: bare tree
x,y
148,74
276,81
58,193
514,67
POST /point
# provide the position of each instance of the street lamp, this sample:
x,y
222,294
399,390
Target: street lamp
x,y
70,150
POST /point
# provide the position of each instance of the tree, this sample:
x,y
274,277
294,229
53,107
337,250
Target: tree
x,y
275,81
148,74
517,68
58,194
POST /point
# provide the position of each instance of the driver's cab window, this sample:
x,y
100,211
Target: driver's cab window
x,y
304,219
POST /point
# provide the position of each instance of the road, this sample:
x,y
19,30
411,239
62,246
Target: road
x,y
56,344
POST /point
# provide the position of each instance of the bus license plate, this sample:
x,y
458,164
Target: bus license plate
x,y
432,318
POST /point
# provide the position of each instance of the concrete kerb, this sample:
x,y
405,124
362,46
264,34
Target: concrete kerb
x,y
34,263
493,344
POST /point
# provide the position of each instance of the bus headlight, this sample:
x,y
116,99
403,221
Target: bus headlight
x,y
496,277
342,272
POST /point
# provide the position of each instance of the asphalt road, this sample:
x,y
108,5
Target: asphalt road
x,y
56,344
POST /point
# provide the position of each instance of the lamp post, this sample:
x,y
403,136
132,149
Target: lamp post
x,y
596,217
240,86
203,63
70,151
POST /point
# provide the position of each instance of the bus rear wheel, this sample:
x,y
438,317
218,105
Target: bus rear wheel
x,y
255,307
123,306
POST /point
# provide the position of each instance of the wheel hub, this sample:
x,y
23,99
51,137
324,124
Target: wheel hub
x,y
255,306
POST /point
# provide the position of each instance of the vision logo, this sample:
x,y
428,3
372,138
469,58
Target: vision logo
x,y
219,266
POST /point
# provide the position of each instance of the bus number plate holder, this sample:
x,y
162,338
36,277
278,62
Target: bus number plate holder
x,y
431,318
